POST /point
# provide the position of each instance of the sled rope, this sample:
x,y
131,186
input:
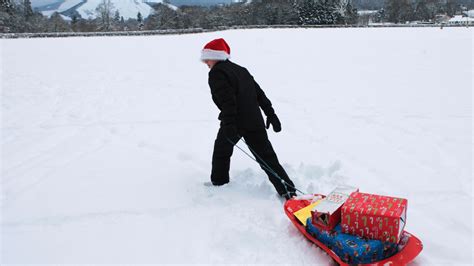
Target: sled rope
x,y
265,166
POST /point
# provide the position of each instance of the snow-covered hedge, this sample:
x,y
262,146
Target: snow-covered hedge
x,y
91,34
199,30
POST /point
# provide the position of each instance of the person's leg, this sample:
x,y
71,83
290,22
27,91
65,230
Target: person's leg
x,y
261,146
221,159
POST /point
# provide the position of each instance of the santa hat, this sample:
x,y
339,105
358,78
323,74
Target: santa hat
x,y
216,49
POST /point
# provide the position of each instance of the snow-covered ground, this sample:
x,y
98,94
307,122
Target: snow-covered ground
x,y
106,143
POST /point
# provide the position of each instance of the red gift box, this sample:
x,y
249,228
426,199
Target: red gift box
x,y
374,216
327,214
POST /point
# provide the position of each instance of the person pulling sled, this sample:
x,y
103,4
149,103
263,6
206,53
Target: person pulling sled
x,y
239,99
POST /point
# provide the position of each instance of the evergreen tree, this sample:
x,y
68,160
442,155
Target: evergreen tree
x,y
307,12
122,23
268,12
197,17
140,21
380,16
327,12
350,14
451,7
139,17
22,18
6,15
117,16
426,10
27,9
399,11
116,21
74,23
6,6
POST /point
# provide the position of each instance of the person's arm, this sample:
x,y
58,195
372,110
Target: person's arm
x,y
224,94
266,105
263,101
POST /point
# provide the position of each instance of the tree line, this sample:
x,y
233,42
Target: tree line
x,y
20,17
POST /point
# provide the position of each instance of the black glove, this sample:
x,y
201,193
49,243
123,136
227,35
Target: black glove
x,y
275,122
231,132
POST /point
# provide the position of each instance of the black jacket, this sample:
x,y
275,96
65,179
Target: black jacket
x,y
238,96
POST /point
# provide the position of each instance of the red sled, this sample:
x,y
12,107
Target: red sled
x,y
407,251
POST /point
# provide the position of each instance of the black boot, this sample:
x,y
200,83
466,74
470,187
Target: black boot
x,y
289,195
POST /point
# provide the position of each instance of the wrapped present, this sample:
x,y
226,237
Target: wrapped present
x,y
327,214
374,216
352,249
304,213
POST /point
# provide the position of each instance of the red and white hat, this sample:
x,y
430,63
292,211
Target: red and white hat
x,y
216,49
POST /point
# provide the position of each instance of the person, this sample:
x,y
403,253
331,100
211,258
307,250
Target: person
x,y
239,99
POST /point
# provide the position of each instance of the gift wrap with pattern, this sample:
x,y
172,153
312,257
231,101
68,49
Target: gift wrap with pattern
x,y
352,249
374,216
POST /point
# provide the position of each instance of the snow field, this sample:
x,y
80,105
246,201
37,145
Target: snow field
x,y
106,143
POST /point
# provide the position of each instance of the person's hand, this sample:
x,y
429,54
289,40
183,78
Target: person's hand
x,y
275,122
231,132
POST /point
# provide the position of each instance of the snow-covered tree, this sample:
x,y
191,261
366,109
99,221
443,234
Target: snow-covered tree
x,y
117,16
351,15
18,16
139,17
57,23
321,12
307,12
380,16
399,11
6,6
164,17
426,10
104,11
74,22
6,13
267,12
27,9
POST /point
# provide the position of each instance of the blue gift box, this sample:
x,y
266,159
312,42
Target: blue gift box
x,y
350,248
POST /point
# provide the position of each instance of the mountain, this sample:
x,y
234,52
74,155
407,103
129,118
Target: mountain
x,y
42,5
127,8
87,8
199,2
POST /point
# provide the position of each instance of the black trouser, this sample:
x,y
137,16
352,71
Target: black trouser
x,y
259,143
